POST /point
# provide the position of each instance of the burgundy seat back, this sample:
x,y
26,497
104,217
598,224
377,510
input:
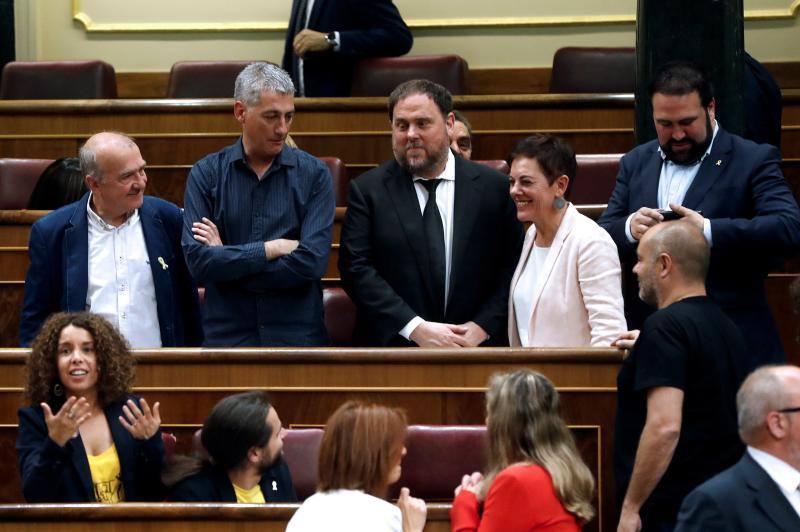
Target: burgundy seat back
x,y
18,178
339,174
595,178
438,456
170,443
204,79
498,164
301,452
378,76
58,80
340,316
593,70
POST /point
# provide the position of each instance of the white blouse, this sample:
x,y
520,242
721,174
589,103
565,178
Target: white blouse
x,y
346,511
526,287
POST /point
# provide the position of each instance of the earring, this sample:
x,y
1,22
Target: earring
x,y
58,390
559,202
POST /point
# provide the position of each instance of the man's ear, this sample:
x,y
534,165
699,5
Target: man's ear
x,y
239,109
91,183
665,261
776,425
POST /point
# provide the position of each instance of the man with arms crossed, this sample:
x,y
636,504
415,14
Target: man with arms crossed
x,y
258,224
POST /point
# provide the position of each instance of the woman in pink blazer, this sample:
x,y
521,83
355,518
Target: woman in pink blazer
x,y
566,290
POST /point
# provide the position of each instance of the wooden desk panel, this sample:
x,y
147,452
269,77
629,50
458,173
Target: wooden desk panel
x,y
164,517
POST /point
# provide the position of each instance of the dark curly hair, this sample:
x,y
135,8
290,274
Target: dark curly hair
x,y
115,363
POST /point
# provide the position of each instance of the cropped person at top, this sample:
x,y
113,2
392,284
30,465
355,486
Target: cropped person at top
x,y
247,468
359,458
85,438
567,288
536,479
461,135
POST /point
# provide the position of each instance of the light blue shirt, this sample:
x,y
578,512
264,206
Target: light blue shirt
x,y
673,183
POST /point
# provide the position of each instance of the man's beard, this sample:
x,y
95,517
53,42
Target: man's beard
x,y
424,166
269,462
695,151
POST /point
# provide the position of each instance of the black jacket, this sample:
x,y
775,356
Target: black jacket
x,y
211,484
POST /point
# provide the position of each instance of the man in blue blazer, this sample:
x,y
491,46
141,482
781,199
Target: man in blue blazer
x,y
115,252
731,188
760,492
323,47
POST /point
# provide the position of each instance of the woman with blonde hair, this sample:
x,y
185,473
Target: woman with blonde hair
x,y
359,458
536,478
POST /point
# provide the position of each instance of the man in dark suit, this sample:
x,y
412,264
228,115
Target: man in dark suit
x,y
731,188
248,468
430,240
323,47
115,252
760,492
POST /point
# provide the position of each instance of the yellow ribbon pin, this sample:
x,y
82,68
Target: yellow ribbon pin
x,y
163,263
274,485
719,162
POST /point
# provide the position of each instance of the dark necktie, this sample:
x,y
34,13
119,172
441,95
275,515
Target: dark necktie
x,y
300,7
434,233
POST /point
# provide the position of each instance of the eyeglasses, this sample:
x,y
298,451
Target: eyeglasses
x,y
789,410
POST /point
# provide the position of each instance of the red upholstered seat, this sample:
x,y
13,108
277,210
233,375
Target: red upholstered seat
x,y
340,316
593,70
170,443
438,456
498,164
58,80
378,76
301,452
340,180
595,178
204,79
18,178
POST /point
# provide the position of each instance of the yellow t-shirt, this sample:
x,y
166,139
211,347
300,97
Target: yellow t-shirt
x,y
106,476
251,496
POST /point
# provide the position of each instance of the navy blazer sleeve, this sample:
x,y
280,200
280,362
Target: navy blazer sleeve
x,y
381,30
41,294
619,208
44,465
700,513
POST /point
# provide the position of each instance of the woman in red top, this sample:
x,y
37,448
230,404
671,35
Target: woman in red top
x,y
536,479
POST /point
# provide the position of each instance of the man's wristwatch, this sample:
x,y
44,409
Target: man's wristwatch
x,y
331,38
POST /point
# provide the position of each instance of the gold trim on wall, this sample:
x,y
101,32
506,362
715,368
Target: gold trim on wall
x,y
417,24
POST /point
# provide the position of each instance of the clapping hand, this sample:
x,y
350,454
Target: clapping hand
x,y
141,423
62,426
470,483
414,511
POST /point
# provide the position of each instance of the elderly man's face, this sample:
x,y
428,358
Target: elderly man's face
x,y
420,135
460,141
683,126
120,188
265,125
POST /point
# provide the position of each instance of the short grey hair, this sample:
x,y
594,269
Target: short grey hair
x,y
761,393
260,77
87,156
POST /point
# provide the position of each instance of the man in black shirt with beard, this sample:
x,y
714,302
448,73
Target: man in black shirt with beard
x,y
676,410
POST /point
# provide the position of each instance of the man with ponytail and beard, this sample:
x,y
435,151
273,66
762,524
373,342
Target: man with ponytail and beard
x,y
243,437
536,479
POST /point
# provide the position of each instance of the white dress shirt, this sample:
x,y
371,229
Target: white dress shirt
x,y
120,284
673,183
526,287
445,194
785,476
346,511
